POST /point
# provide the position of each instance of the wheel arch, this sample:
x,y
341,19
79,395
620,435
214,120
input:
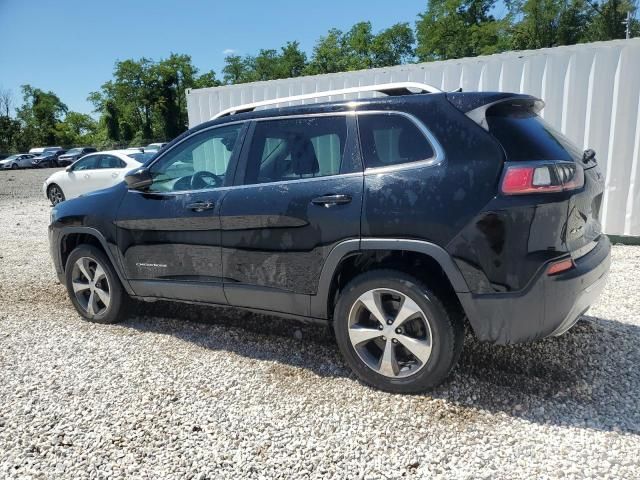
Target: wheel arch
x,y
70,237
351,256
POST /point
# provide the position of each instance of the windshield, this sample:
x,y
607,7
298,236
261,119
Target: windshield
x,y
73,151
12,157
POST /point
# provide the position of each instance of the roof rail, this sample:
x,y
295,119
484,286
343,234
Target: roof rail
x,y
397,88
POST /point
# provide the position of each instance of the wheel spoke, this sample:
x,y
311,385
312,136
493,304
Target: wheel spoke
x,y
99,273
83,265
91,304
388,365
408,309
421,349
80,286
104,296
371,300
362,334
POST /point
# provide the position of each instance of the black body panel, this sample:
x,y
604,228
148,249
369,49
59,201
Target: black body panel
x,y
276,246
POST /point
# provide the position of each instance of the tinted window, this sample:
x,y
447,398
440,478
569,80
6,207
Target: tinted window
x,y
526,136
87,163
391,139
199,162
109,161
292,149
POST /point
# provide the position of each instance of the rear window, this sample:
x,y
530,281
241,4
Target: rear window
x,y
525,137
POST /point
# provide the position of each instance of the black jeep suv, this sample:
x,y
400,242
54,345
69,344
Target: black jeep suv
x,y
396,219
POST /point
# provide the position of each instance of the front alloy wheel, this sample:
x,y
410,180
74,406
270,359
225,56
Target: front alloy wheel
x,y
55,195
91,286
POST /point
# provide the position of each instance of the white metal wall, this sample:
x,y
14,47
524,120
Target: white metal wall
x,y
592,94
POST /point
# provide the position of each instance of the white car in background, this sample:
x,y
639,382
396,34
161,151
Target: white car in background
x,y
92,172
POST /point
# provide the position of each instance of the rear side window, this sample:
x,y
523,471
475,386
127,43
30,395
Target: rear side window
x,y
390,139
298,148
109,161
526,137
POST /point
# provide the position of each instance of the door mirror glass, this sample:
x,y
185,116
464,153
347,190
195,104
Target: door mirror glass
x,y
139,179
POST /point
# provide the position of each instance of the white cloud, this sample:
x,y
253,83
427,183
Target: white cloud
x,y
229,51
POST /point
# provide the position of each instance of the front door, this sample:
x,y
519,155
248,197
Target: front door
x,y
80,177
300,195
169,235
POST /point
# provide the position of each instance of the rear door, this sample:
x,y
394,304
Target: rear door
x,y
110,170
300,194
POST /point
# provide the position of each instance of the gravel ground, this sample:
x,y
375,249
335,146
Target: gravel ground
x,y
182,392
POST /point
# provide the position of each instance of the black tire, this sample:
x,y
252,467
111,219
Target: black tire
x,y
55,194
14,166
446,332
119,301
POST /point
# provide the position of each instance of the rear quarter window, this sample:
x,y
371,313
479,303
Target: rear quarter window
x,y
390,139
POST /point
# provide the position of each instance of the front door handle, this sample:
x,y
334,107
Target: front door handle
x,y
331,200
200,206
86,175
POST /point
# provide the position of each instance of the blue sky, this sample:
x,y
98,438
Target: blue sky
x,y
70,46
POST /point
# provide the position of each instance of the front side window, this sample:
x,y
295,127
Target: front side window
x,y
390,139
199,162
296,148
87,163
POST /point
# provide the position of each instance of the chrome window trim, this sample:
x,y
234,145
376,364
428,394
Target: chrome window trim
x,y
438,152
252,185
436,159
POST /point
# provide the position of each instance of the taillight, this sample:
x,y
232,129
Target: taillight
x,y
551,177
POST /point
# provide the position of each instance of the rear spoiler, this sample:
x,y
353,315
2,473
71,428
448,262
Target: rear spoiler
x,y
476,105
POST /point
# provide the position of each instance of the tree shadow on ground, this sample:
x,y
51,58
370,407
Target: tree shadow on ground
x,y
587,378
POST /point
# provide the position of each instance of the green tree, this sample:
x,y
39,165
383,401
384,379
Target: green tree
x,y
393,46
459,28
76,129
329,54
146,100
236,70
609,20
39,115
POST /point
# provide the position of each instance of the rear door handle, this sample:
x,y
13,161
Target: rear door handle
x,y
331,200
115,174
86,175
200,206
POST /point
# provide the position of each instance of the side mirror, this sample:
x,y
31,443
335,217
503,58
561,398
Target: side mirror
x,y
68,169
138,179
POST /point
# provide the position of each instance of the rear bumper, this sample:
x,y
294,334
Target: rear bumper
x,y
550,305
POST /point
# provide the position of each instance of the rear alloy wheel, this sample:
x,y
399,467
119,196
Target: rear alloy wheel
x,y
93,285
55,194
394,332
390,333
